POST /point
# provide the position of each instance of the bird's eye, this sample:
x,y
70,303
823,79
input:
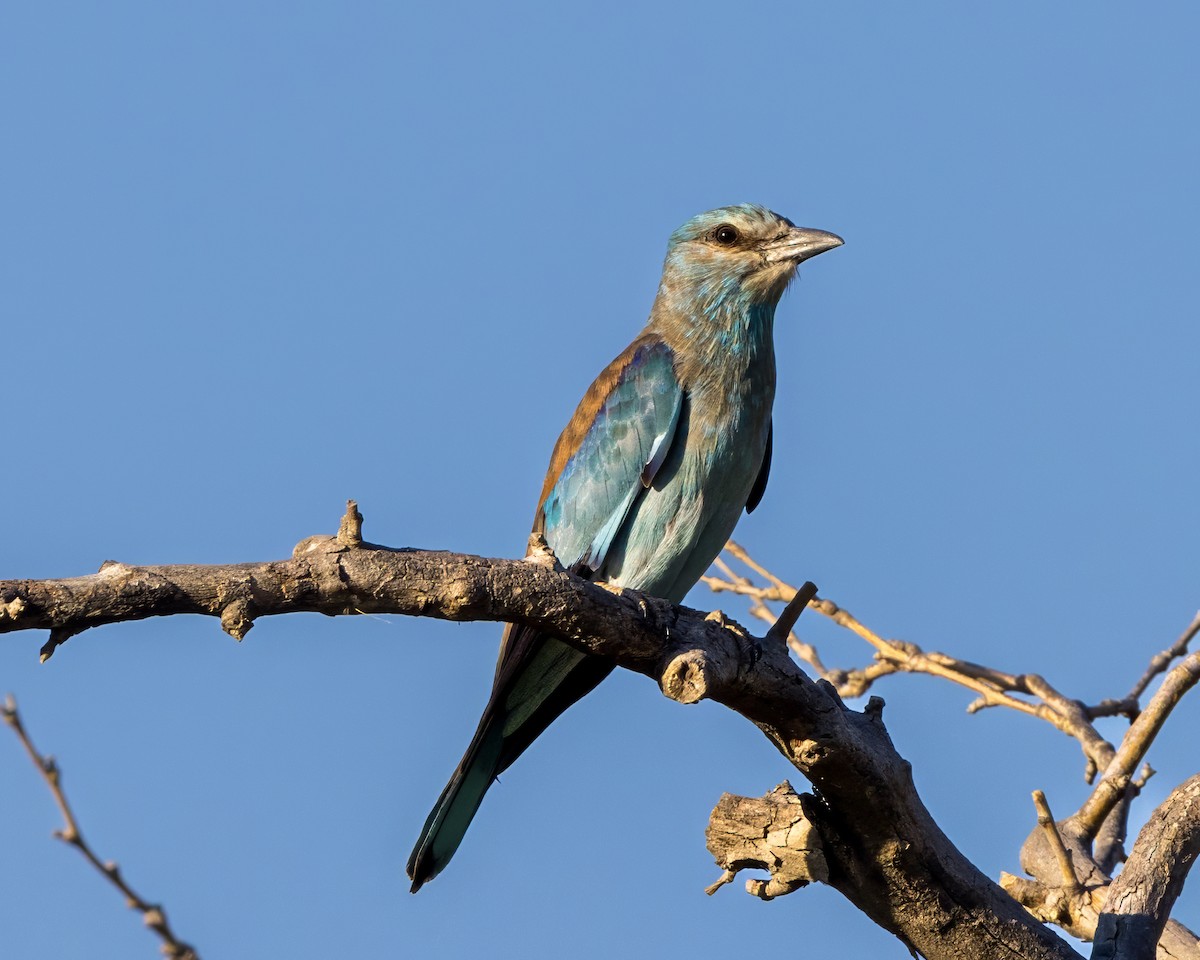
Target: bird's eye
x,y
725,235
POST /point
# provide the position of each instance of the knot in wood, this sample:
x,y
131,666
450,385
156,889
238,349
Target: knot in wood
x,y
12,609
809,753
237,618
686,678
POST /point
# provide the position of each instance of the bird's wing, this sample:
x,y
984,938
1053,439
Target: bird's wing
x,y
610,451
760,482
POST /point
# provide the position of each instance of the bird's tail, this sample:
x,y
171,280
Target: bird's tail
x,y
456,807
538,677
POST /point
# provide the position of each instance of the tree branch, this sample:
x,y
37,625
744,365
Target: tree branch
x,y
993,687
1161,661
1136,742
884,851
1071,860
153,915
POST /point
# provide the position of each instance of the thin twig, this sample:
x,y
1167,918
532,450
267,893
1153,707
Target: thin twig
x,y
1161,661
744,586
738,551
1114,708
992,687
153,914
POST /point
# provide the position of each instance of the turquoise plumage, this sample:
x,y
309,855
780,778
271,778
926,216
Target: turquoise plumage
x,y
669,444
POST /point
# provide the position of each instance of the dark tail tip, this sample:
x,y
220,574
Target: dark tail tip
x,y
418,870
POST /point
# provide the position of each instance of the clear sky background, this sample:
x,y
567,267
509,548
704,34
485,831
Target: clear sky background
x,y
256,259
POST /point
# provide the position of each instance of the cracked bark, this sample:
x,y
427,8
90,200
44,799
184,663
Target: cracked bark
x,y
1141,898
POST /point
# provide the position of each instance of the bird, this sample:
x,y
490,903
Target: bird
x,y
646,482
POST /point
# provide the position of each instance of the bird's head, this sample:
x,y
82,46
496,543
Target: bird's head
x,y
743,254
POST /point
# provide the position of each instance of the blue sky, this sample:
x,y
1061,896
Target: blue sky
x,y
256,259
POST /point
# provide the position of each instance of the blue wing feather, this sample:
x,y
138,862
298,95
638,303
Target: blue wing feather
x,y
609,454
617,458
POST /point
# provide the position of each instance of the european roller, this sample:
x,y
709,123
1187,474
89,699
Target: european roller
x,y
668,446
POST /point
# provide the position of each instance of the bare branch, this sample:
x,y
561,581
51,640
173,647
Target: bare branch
x,y
1046,821
994,687
1076,907
153,915
1136,742
1072,860
884,850
1163,660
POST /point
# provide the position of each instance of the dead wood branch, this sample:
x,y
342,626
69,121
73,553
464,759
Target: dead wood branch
x,y
1071,860
884,851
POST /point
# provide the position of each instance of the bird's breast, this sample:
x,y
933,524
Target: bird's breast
x,y
679,525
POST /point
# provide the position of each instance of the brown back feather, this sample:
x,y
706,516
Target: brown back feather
x,y
585,415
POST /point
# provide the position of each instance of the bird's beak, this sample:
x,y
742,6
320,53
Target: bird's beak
x,y
799,244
